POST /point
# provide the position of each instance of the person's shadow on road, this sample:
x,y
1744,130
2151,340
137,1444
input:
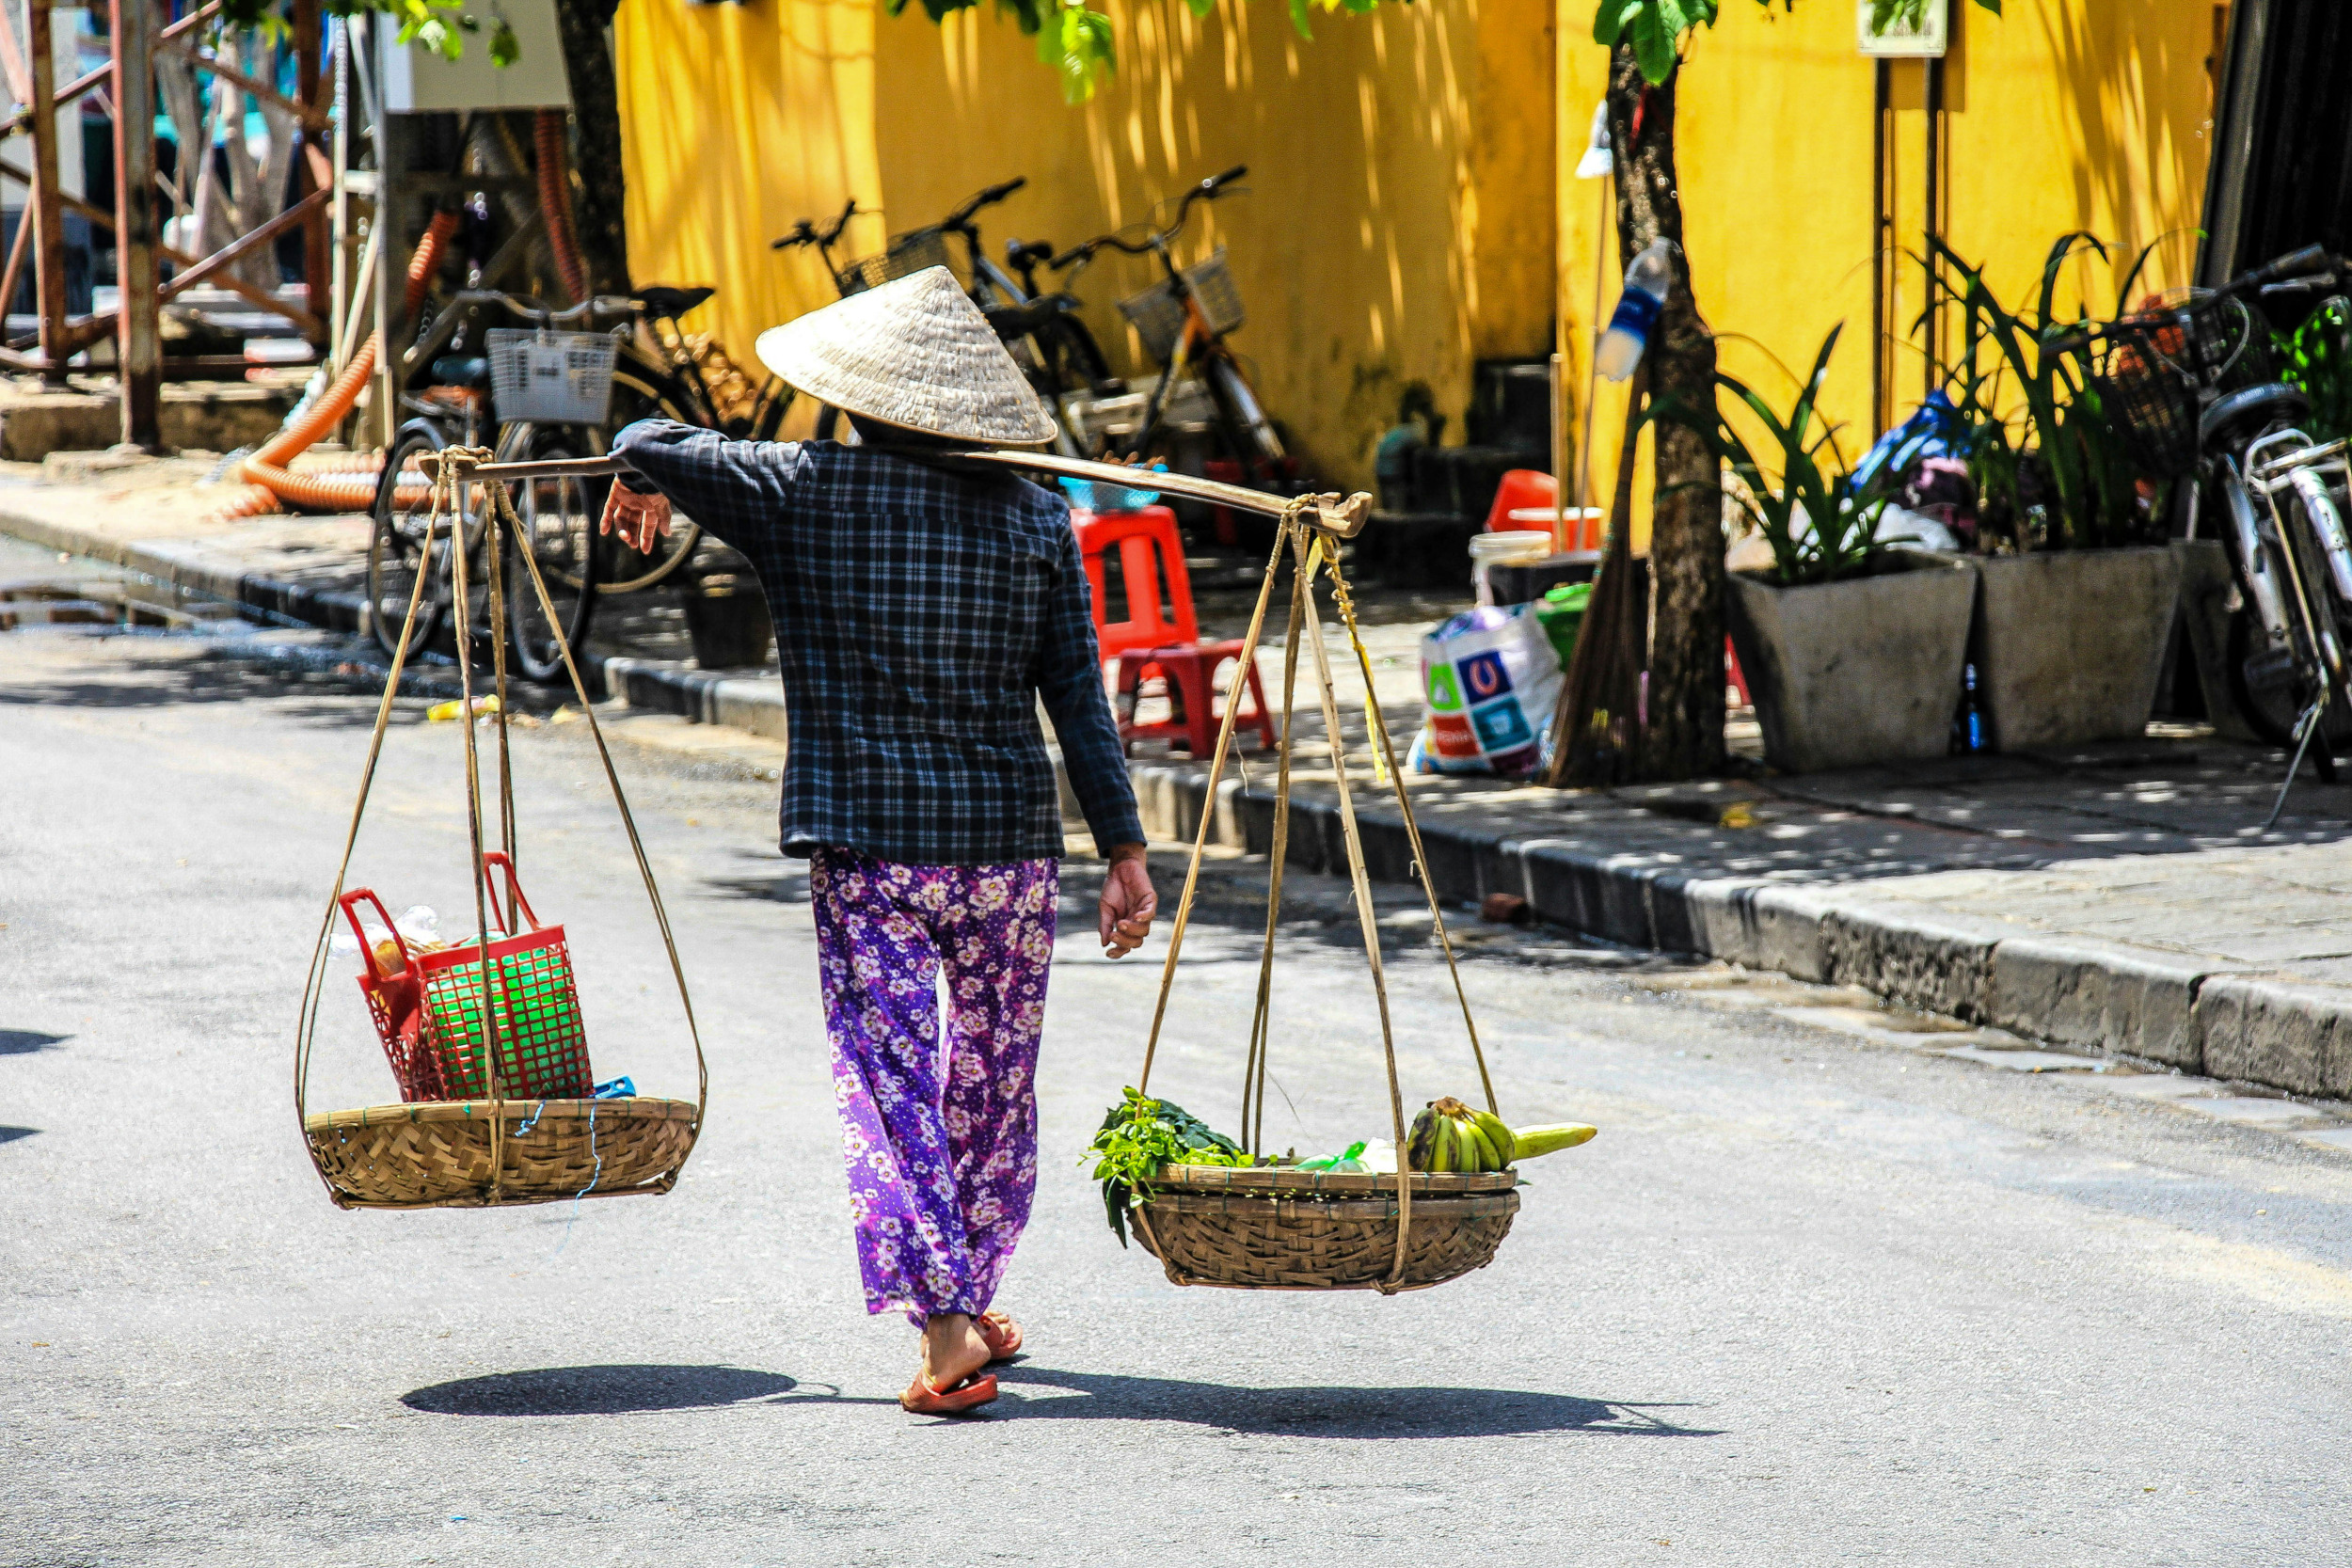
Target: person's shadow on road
x,y
1033,1392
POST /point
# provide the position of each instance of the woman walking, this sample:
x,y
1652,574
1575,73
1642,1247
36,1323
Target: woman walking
x,y
922,612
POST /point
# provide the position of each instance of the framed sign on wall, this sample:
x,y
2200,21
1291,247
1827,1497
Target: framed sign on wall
x,y
1903,29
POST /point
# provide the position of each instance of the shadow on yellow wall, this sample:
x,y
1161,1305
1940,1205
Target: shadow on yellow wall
x,y
1398,222
2065,115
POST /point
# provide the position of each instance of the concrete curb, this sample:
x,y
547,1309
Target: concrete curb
x,y
2081,992
195,570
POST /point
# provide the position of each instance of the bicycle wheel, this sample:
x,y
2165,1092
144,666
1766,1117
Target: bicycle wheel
x,y
558,518
397,554
2270,686
2327,623
621,568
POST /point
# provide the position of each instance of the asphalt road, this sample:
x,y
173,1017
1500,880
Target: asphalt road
x,y
1804,1300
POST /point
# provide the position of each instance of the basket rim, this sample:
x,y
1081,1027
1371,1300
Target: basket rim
x,y
1435,1210
1278,1179
638,1107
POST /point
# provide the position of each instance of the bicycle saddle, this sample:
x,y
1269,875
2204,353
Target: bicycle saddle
x,y
1035,252
1019,321
470,370
665,302
2248,411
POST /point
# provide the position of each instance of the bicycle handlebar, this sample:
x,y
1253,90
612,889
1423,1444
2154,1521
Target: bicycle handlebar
x,y
2298,264
806,232
601,305
2311,259
989,198
1207,190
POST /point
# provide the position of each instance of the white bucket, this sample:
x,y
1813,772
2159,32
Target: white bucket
x,y
1518,546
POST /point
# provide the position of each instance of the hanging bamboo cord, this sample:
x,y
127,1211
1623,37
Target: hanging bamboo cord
x,y
1208,806
492,993
1376,725
1254,1074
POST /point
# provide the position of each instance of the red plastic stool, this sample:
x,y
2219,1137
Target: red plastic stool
x,y
1190,673
1149,645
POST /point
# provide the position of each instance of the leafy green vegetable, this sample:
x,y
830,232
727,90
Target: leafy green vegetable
x,y
1139,1135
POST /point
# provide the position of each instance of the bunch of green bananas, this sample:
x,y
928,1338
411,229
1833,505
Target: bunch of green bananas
x,y
1450,1136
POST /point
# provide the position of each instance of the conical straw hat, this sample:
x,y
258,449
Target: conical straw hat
x,y
914,351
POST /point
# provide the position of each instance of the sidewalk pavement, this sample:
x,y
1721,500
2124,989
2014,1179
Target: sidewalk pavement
x,y
2114,898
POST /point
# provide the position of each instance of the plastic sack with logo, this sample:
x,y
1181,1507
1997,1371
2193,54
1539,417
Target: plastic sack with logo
x,y
1489,680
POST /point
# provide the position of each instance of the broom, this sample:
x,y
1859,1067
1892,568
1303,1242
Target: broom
x,y
1596,730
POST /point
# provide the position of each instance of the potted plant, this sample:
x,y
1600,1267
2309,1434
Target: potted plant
x,y
1852,649
2078,583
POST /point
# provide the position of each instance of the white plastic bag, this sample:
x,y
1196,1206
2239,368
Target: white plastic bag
x,y
1489,681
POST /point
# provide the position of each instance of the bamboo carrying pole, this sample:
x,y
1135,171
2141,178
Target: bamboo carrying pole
x,y
1342,517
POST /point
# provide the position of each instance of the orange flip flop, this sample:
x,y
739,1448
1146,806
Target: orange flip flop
x,y
921,1399
1000,1334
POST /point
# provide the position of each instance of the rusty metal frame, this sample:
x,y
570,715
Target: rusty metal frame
x,y
29,67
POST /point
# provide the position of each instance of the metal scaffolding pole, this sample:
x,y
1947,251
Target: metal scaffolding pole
x,y
139,335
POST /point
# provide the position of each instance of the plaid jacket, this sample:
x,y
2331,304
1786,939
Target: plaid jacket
x,y
920,613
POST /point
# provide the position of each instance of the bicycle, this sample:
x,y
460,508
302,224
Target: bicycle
x,y
454,407
1041,330
1183,320
2195,387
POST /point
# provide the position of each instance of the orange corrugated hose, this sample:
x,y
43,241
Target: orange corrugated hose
x,y
555,200
270,486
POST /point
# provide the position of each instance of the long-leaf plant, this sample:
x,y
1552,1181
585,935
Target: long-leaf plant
x,y
2055,473
1821,525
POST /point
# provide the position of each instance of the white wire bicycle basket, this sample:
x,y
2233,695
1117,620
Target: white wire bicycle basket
x,y
1158,315
551,377
917,250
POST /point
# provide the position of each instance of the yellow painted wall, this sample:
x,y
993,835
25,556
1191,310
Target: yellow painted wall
x,y
1398,222
2063,115
736,120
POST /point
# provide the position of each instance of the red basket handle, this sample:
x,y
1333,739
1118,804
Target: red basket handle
x,y
500,859
350,901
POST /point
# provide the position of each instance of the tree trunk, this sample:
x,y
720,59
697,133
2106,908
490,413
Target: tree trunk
x,y
1683,736
596,143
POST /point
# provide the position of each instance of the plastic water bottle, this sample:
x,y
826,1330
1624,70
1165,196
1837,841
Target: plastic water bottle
x,y
1647,281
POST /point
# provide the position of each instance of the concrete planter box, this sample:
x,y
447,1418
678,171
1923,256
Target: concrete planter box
x,y
1859,672
2074,642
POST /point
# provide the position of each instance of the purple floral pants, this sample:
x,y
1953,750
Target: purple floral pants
x,y
941,1143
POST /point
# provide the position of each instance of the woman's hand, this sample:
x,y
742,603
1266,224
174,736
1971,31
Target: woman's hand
x,y
1128,902
636,518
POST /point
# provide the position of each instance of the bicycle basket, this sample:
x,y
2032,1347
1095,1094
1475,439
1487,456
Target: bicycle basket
x,y
1158,315
906,254
2148,393
551,377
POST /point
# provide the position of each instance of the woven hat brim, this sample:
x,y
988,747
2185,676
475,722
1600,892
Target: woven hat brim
x,y
914,353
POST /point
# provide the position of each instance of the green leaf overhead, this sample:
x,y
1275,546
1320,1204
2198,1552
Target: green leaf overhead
x,y
1654,29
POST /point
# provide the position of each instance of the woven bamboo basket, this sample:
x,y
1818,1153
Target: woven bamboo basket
x,y
1309,1230
436,1154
